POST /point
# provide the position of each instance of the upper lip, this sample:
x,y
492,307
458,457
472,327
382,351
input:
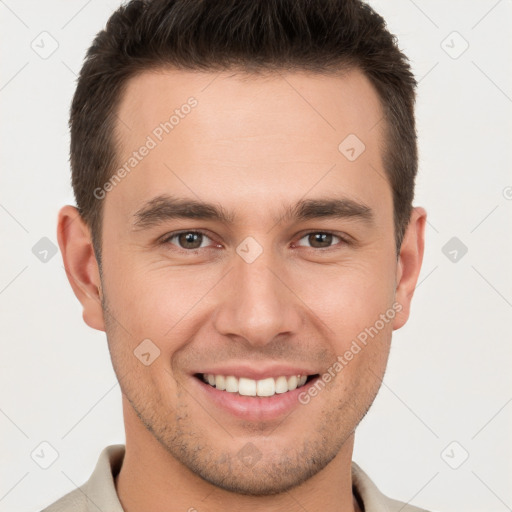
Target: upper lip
x,y
262,371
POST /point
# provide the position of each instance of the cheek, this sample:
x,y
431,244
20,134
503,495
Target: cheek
x,y
348,298
355,305
157,301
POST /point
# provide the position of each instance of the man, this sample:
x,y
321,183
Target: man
x,y
244,175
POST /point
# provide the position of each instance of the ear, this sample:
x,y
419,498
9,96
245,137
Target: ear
x,y
80,263
409,264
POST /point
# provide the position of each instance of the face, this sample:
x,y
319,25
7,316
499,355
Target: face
x,y
247,247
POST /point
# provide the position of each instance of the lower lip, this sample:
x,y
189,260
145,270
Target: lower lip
x,y
254,408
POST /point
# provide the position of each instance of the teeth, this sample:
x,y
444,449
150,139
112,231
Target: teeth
x,y
281,385
232,384
266,387
292,382
220,382
247,387
251,387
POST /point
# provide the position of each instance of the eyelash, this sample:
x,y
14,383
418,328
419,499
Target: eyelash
x,y
167,239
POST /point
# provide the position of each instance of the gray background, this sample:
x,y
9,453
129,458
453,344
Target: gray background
x,y
447,392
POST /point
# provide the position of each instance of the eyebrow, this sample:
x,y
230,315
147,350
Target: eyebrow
x,y
164,207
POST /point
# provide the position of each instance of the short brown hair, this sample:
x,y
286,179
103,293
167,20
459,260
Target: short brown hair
x,y
321,36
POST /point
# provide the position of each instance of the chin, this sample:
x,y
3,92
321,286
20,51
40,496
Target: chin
x,y
267,480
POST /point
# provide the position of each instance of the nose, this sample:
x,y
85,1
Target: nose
x,y
256,303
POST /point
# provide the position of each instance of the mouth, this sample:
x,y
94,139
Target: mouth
x,y
262,393
247,387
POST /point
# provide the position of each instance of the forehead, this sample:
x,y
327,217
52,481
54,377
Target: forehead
x,y
334,102
233,135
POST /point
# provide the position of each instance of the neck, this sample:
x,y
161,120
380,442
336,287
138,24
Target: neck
x,y
152,479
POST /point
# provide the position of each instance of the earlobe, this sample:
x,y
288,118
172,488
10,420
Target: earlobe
x,y
80,263
409,264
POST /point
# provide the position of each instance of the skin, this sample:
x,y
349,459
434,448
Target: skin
x,y
253,145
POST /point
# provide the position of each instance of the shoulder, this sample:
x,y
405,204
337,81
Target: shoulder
x,y
99,492
74,501
373,499
400,506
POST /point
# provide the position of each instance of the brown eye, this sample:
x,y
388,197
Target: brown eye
x,y
189,240
320,240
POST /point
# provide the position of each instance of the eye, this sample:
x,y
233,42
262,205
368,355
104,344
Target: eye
x,y
320,239
188,240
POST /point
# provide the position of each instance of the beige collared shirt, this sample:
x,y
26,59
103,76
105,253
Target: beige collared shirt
x,y
99,492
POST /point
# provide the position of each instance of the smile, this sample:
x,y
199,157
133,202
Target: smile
x,y
244,386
